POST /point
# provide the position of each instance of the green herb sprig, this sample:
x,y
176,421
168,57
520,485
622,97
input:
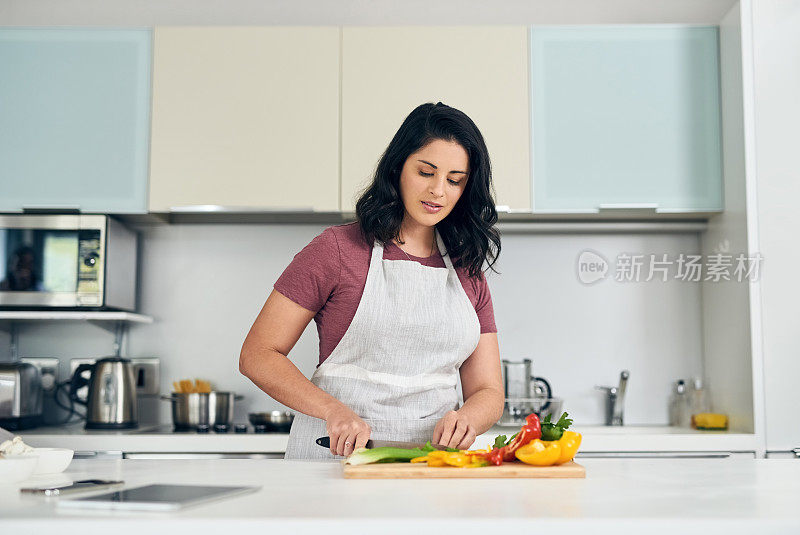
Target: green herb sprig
x,y
553,431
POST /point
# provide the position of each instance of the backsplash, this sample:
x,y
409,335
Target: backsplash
x,y
205,284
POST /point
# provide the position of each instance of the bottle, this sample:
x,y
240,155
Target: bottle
x,y
679,405
699,401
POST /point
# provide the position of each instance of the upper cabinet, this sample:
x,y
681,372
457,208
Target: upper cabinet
x,y
389,71
74,110
284,118
625,117
246,117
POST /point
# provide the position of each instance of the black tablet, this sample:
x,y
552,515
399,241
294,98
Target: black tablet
x,y
155,497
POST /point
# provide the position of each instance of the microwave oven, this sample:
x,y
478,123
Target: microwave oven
x,y
68,261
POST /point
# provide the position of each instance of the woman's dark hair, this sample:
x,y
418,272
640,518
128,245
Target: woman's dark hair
x,y
468,231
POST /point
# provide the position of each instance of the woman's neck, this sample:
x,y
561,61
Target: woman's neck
x,y
417,239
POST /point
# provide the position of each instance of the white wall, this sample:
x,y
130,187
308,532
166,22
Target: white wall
x,y
579,336
204,285
776,67
726,304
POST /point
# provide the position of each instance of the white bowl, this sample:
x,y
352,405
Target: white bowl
x,y
16,468
51,460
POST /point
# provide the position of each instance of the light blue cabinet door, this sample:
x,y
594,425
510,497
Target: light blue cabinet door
x,y
625,116
74,119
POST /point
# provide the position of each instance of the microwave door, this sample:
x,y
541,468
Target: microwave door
x,y
42,266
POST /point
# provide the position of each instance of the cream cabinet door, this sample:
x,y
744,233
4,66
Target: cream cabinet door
x,y
245,117
483,71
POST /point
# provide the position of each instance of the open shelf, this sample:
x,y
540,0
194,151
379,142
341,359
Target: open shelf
x,y
114,322
75,315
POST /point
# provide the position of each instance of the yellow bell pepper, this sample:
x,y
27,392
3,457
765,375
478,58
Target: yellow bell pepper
x,y
433,458
457,458
539,453
570,441
461,459
477,462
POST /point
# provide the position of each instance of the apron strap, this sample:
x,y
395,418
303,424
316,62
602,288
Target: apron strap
x,y
443,250
377,256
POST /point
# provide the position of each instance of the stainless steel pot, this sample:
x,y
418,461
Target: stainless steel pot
x,y
191,410
273,421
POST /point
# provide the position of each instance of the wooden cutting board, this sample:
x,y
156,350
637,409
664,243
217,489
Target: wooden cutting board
x,y
421,470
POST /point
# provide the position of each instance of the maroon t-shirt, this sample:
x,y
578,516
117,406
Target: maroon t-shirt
x,y
329,275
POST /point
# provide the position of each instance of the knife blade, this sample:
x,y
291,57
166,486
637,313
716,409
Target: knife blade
x,y
325,442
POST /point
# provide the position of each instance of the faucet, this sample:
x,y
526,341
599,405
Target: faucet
x,y
615,398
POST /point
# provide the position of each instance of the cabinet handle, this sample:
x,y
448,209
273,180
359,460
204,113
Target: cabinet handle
x,y
218,209
50,208
629,206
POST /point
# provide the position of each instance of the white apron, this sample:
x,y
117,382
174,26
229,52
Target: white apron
x,y
397,364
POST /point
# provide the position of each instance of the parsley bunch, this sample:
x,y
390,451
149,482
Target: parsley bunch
x,y
553,431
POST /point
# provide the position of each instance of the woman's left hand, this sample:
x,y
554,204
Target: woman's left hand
x,y
454,431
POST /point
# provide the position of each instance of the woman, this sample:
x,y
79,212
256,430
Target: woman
x,y
398,320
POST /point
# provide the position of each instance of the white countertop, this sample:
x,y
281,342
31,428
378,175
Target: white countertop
x,y
618,495
596,439
154,439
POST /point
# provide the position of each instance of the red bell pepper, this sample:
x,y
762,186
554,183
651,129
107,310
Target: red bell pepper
x,y
530,431
494,457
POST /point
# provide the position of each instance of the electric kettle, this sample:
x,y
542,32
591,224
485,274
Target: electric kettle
x,y
111,402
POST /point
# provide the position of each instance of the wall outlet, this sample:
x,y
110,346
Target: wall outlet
x,y
74,363
146,373
48,370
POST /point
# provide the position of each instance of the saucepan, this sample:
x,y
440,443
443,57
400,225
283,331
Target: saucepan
x,y
273,421
191,410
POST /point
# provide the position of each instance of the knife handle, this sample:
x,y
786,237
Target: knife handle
x,y
325,442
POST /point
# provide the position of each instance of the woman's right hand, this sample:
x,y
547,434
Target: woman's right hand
x,y
346,430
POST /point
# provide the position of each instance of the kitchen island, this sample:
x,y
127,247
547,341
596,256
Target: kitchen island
x,y
618,495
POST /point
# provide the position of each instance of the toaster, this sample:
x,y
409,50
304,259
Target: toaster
x,y
20,395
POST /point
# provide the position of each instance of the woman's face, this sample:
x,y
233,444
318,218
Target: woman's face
x,y
432,180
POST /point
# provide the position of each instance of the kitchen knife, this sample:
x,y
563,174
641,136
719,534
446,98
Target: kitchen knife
x,y
325,442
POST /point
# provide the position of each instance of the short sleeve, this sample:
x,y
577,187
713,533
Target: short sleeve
x,y
483,306
313,274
